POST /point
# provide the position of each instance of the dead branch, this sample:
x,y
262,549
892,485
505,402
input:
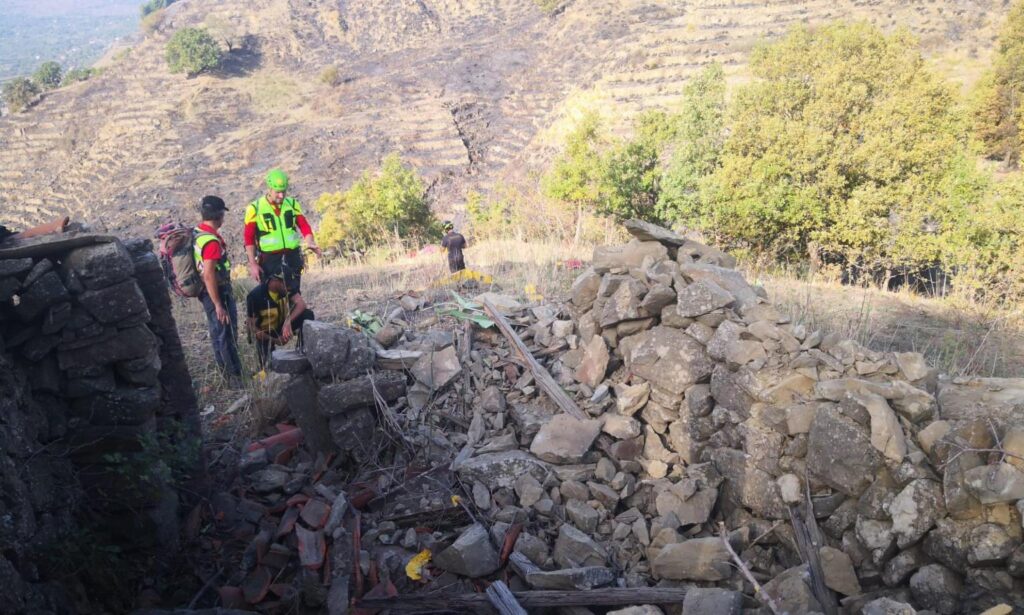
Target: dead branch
x,y
758,590
540,375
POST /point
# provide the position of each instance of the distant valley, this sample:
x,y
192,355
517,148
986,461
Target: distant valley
x,y
75,33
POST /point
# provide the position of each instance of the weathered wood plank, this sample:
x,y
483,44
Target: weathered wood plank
x,y
502,599
540,375
610,596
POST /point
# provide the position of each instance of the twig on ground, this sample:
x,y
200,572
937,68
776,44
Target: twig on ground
x,y
206,586
758,590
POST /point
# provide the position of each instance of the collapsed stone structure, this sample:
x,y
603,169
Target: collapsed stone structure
x,y
710,412
91,369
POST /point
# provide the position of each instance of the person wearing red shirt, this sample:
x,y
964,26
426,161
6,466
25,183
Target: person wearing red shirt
x,y
275,229
214,266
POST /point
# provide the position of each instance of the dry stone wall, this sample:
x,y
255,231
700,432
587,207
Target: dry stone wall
x,y
92,375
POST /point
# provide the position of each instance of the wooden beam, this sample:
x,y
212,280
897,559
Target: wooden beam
x,y
540,375
503,600
50,244
609,596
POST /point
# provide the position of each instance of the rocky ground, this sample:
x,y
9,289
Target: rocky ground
x,y
708,449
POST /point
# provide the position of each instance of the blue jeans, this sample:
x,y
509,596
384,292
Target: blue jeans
x,y
223,337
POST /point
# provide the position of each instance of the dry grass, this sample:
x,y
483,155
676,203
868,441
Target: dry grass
x,y
960,339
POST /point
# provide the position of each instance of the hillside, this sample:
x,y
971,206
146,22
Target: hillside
x,y
463,89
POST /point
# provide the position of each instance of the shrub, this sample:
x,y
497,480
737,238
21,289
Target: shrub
x,y
192,51
548,6
151,22
48,75
330,76
487,218
996,110
19,93
390,204
845,141
575,177
75,75
152,6
696,147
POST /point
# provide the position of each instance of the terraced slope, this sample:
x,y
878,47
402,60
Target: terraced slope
x,y
461,88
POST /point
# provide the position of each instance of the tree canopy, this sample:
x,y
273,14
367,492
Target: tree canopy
x,y
845,141
19,93
193,51
48,76
388,203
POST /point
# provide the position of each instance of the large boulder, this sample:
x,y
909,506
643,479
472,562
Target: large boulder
x,y
501,470
629,256
938,588
565,439
840,452
592,368
132,343
359,392
101,264
1000,399
336,352
701,298
729,280
698,559
436,369
575,549
997,483
471,555
584,290
712,601
667,358
915,510
116,303
46,291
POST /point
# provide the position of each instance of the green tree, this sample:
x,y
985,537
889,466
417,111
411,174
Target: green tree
x,y
576,175
75,75
388,204
192,51
845,143
48,75
19,93
997,106
630,180
696,148
153,6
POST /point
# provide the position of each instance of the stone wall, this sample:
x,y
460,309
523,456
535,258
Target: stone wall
x,y
92,378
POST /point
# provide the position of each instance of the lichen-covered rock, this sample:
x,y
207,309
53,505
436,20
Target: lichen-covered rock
x,y
915,510
698,559
667,358
840,452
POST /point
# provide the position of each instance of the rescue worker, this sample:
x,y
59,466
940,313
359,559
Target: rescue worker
x,y
275,314
454,243
275,230
212,263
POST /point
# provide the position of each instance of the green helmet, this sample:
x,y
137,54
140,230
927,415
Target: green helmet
x,y
277,180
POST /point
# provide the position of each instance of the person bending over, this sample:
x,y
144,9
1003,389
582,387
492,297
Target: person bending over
x,y
275,315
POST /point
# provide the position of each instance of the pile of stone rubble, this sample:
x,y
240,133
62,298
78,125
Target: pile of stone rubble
x,y
713,421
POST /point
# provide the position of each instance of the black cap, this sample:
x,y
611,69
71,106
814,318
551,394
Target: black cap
x,y
212,206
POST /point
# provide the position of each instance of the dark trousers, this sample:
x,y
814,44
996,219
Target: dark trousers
x,y
288,262
265,347
456,262
223,337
